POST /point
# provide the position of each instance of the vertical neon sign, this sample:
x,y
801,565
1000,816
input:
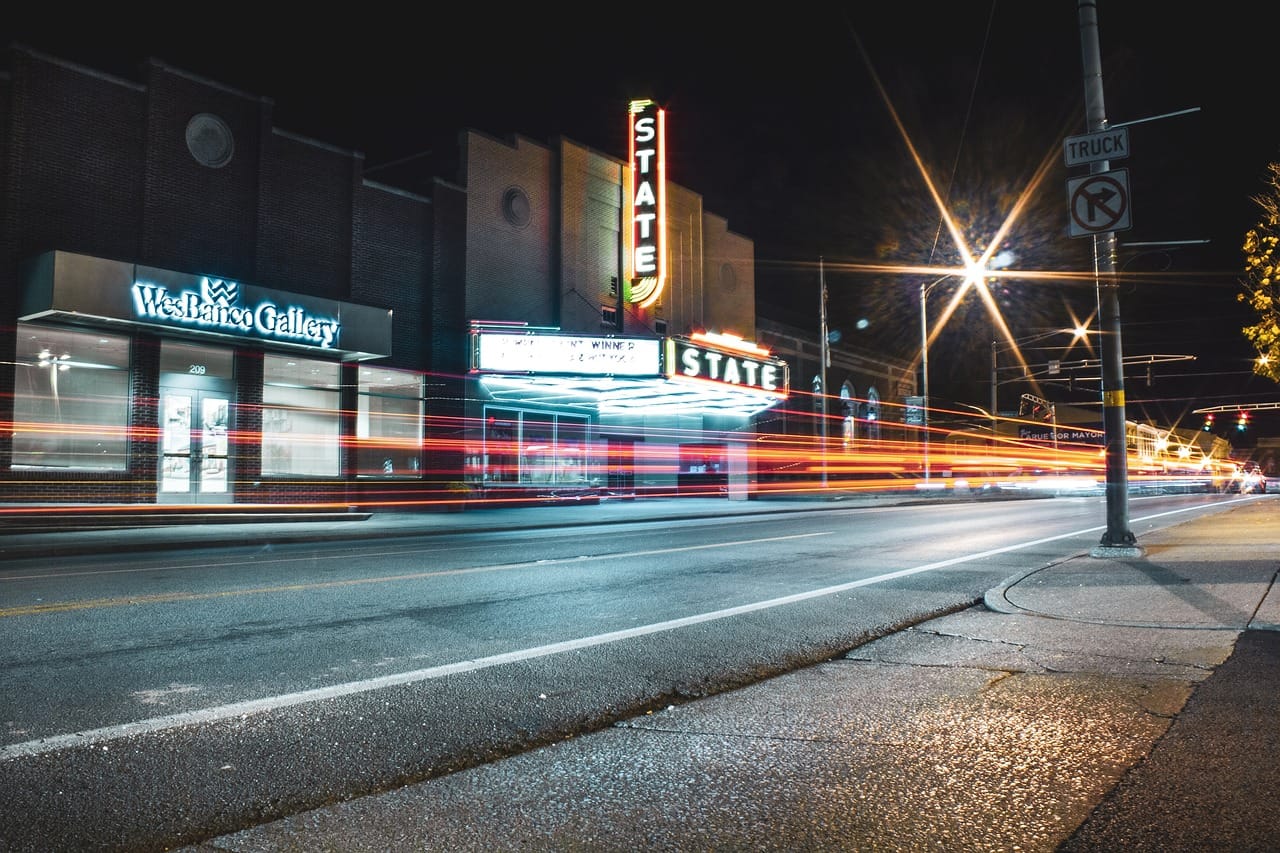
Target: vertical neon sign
x,y
648,202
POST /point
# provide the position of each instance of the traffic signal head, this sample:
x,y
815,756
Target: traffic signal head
x,y
1242,423
1208,422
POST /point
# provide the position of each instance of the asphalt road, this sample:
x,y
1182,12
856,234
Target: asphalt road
x,y
201,769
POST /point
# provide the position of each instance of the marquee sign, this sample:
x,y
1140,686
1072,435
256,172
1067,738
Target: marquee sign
x,y
726,359
532,352
647,202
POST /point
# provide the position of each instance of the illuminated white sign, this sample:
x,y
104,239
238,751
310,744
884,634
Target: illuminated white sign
x,y
648,202
216,307
542,353
732,367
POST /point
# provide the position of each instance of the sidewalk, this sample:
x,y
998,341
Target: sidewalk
x,y
1097,704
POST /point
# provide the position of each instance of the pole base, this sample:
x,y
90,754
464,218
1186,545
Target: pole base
x,y
1117,552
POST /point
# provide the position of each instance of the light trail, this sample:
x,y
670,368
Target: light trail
x,y
185,596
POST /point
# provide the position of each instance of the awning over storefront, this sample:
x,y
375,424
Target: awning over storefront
x,y
71,288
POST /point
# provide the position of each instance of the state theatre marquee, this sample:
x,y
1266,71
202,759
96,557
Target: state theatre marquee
x,y
706,371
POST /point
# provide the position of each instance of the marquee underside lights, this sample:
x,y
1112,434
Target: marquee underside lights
x,y
647,202
623,395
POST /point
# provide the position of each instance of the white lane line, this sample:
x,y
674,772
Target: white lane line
x,y
272,703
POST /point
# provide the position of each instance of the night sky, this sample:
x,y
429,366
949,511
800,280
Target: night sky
x,y
780,123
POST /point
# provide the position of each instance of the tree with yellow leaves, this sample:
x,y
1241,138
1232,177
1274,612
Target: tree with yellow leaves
x,y
1261,287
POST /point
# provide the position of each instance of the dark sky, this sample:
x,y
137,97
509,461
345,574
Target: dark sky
x,y
778,121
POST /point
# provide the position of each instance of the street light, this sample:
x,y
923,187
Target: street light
x,y
924,366
925,287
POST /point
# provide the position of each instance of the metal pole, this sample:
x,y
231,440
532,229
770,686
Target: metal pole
x,y
822,371
1117,534
924,370
994,414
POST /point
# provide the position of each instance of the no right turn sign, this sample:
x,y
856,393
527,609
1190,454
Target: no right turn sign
x,y
1099,203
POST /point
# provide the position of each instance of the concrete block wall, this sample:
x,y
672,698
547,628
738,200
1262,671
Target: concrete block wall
x,y
683,302
590,240
728,261
512,254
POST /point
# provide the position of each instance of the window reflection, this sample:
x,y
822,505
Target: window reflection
x,y
301,425
71,399
389,423
534,448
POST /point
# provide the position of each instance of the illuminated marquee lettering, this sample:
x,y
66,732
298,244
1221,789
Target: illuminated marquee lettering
x,y
647,135
731,368
541,353
215,308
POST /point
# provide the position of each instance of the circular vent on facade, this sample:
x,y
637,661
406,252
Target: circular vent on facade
x,y
728,278
515,207
210,141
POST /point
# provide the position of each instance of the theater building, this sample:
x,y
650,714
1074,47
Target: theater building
x,y
200,308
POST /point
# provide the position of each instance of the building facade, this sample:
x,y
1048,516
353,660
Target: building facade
x,y
202,308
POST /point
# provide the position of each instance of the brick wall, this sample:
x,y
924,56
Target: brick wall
x,y
195,218
392,268
74,165
305,222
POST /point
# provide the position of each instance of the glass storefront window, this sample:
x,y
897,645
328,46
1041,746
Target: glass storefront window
x,y
534,448
389,423
301,423
501,446
538,449
71,399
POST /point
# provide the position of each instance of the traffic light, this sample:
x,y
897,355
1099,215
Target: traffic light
x,y
1208,422
1242,423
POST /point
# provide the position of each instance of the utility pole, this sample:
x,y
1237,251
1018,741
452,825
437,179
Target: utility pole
x,y
1118,540
825,355
994,396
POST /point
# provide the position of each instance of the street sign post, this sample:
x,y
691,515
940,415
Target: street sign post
x,y
1110,144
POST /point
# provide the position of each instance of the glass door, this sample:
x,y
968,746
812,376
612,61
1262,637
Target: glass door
x,y
194,460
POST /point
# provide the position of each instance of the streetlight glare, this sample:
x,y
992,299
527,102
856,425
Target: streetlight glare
x,y
1002,260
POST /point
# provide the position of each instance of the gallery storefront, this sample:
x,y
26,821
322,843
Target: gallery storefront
x,y
178,388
